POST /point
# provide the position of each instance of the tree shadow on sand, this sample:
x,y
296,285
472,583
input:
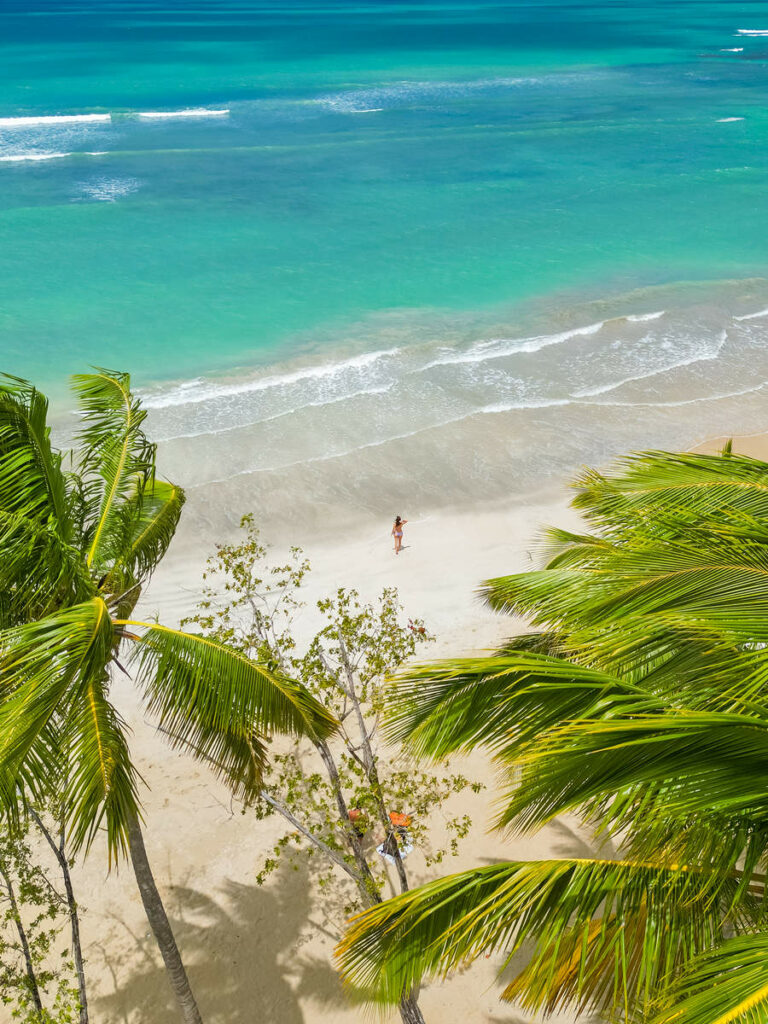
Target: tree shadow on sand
x,y
241,947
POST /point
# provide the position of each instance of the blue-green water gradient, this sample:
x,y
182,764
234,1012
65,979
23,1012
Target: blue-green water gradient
x,y
373,156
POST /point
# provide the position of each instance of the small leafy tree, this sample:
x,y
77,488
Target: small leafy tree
x,y
337,796
38,978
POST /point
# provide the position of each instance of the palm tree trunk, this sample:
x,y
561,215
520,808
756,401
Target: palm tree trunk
x,y
158,919
410,1012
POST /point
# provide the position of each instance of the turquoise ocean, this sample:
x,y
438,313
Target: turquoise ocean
x,y
448,245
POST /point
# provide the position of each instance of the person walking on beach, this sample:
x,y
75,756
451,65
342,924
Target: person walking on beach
x,y
397,533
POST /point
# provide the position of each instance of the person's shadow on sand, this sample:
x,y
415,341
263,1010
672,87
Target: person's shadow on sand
x,y
240,947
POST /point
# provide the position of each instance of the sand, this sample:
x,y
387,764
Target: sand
x,y
253,952
261,953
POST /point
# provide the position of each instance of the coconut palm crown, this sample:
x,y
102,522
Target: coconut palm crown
x,y
80,534
641,704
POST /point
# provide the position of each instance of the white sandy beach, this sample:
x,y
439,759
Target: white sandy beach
x,y
253,953
260,953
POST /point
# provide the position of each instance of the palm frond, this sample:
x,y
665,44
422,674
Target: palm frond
x,y
117,460
648,578
215,701
38,570
601,930
726,985
502,702
41,664
662,491
696,763
562,548
149,521
100,779
32,483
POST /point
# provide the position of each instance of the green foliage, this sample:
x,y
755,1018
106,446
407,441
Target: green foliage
x,y
252,604
76,548
641,704
30,904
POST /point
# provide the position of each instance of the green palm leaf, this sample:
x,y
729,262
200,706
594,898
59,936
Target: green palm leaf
x,y
149,520
32,483
646,713
674,489
41,664
116,458
636,922
502,702
698,763
38,570
726,985
100,779
217,702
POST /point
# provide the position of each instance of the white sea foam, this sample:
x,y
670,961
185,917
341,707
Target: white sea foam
x,y
732,49
753,31
639,318
191,112
192,393
487,410
277,416
689,401
109,190
753,316
367,110
399,94
499,348
27,122
659,371
16,158
727,120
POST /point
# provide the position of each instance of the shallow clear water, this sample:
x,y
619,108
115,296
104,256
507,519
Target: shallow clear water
x,y
374,156
341,179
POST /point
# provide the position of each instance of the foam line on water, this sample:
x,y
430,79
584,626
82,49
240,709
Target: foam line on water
x,y
193,393
753,316
687,401
753,31
727,120
494,409
604,388
485,350
276,416
160,115
28,122
487,410
414,91
18,158
639,318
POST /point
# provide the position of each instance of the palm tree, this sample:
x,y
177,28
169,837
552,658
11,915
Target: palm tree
x,y
80,535
641,703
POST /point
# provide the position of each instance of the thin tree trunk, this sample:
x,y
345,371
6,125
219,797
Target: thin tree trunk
x,y
32,978
366,883
158,919
409,1007
74,919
